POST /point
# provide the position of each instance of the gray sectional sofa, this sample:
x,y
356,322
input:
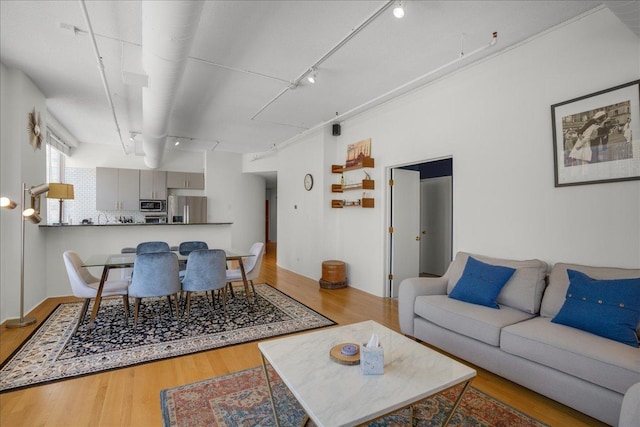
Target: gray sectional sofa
x,y
518,341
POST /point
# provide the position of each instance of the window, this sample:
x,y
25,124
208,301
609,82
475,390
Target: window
x,y
55,173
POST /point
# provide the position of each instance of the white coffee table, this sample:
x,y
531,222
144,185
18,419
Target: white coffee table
x,y
333,394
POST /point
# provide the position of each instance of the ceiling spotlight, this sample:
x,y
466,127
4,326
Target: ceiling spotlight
x,y
177,142
312,76
132,137
398,11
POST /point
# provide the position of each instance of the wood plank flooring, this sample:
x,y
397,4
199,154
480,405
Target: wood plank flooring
x,y
131,396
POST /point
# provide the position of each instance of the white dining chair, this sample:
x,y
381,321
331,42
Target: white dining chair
x,y
85,285
252,267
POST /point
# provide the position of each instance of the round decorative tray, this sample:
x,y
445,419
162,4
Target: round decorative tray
x,y
338,355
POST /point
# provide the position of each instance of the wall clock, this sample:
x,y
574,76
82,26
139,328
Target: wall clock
x,y
35,133
308,181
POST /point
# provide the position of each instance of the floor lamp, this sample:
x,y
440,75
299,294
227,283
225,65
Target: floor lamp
x,y
33,214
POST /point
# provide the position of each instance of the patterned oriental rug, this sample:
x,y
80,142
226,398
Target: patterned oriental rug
x,y
52,354
242,399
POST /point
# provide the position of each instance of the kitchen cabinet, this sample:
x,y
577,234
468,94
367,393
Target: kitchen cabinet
x,y
117,189
153,185
191,180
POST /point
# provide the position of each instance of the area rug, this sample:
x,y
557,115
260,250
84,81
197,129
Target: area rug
x,y
52,353
242,399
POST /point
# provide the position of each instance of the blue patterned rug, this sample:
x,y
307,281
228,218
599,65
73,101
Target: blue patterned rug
x,y
53,354
242,399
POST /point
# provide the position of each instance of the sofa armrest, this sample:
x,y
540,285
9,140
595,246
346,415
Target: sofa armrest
x,y
630,412
412,288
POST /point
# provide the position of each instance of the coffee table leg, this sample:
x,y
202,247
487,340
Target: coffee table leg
x,y
273,402
457,403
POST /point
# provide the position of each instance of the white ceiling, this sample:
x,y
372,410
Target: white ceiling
x,y
258,48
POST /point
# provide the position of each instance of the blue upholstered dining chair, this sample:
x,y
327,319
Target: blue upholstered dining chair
x,y
252,267
206,271
85,285
155,274
150,247
185,248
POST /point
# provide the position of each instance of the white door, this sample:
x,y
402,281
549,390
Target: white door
x,y
405,220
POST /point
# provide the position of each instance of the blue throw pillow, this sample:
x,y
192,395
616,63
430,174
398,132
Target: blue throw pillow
x,y
608,308
481,283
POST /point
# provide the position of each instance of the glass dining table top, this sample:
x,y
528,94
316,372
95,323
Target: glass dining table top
x,y
127,260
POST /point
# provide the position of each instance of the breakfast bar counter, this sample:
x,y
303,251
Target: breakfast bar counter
x,y
92,239
127,224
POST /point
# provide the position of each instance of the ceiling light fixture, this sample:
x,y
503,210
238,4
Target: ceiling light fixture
x,y
398,11
177,142
311,78
132,137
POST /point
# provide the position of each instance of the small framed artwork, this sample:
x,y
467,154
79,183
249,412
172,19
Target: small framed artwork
x,y
358,151
596,137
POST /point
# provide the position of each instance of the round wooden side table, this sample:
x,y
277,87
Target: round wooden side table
x,y
334,275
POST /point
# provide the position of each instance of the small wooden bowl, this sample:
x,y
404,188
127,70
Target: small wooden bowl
x,y
336,355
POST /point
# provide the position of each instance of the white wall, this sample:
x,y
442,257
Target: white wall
x,y
236,197
20,163
493,118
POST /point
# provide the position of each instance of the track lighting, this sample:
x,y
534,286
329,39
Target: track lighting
x,y
311,78
398,11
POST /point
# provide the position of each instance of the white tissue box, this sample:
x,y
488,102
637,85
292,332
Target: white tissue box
x,y
371,360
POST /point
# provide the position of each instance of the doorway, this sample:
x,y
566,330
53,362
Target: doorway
x,y
421,223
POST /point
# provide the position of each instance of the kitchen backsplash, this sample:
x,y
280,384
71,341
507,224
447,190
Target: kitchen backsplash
x,y
83,206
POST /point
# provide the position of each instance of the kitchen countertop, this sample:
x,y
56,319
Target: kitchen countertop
x,y
126,224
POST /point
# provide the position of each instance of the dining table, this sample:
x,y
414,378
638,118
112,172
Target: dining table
x,y
127,260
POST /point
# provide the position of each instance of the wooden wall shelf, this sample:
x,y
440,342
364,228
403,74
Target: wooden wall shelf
x,y
362,203
367,162
366,184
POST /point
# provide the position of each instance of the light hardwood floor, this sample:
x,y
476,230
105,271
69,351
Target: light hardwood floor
x,y
131,396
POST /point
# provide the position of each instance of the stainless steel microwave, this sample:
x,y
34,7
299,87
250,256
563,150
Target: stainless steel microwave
x,y
153,205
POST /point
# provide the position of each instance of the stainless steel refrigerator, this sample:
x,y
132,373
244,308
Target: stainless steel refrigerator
x,y
187,210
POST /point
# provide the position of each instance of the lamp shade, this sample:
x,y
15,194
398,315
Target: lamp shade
x,y
60,191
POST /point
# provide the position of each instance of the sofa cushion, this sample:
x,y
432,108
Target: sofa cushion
x,y
481,283
523,291
595,359
609,308
556,291
471,320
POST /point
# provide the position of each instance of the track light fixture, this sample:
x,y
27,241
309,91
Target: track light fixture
x,y
398,10
313,73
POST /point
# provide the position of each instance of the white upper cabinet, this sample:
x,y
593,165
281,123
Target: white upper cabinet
x,y
117,189
189,180
153,184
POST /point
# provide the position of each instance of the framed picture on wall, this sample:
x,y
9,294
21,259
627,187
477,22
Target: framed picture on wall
x,y
596,137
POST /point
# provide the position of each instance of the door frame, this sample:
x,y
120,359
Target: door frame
x,y
387,215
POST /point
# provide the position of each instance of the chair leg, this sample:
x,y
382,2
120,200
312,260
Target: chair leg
x,y
187,303
175,297
224,302
169,300
125,302
253,288
231,289
136,309
83,312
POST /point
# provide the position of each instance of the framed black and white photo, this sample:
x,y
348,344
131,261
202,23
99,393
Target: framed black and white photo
x,y
596,137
